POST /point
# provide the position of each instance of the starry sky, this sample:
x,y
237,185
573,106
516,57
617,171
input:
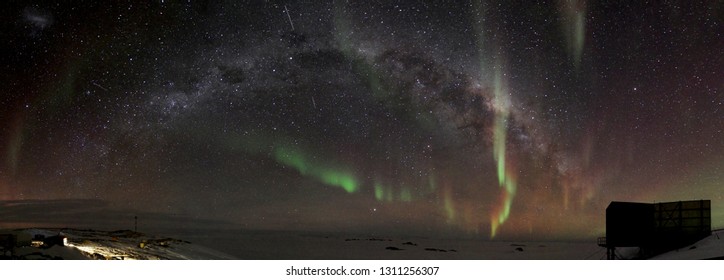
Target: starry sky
x,y
486,119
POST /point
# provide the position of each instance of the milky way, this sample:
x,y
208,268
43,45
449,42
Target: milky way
x,y
483,119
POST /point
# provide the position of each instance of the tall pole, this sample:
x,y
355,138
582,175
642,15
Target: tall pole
x,y
608,253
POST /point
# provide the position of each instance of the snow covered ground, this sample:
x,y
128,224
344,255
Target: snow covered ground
x,y
119,245
277,245
711,247
274,245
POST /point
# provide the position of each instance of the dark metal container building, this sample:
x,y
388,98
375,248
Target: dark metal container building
x,y
657,227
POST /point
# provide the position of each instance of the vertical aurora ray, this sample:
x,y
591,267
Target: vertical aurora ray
x,y
449,206
491,58
499,136
506,180
343,37
503,212
383,193
389,194
379,192
432,183
57,95
405,195
573,26
14,146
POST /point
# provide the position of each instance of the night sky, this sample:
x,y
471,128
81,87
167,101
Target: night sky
x,y
489,119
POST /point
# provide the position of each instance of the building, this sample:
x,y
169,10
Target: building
x,y
655,227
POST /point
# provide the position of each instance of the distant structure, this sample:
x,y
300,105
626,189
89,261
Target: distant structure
x,y
655,228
